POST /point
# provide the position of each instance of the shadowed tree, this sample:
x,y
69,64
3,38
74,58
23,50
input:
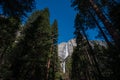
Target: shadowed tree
x,y
8,31
16,8
10,13
91,7
80,62
84,6
54,61
115,17
28,58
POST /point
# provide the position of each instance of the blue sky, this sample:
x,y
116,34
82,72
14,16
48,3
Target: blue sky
x,y
64,13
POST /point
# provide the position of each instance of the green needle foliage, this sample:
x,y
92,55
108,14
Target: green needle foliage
x,y
101,12
54,73
28,58
16,8
8,29
92,7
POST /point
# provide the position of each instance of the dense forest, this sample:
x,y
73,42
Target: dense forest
x,y
30,51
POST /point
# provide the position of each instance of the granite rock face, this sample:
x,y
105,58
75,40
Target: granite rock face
x,y
71,44
62,48
65,50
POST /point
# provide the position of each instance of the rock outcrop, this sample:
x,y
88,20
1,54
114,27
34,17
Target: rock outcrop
x,y
71,44
62,48
65,50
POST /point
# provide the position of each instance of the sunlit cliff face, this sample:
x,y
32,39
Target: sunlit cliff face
x,y
71,44
66,48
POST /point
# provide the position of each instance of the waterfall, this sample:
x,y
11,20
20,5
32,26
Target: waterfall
x,y
66,51
66,55
63,66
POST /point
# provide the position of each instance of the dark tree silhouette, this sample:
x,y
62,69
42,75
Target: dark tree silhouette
x,y
16,8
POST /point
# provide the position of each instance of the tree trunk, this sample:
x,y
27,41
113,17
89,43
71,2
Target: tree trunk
x,y
48,67
2,53
107,24
49,63
94,62
91,69
105,37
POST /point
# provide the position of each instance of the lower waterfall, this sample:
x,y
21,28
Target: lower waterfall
x,y
66,55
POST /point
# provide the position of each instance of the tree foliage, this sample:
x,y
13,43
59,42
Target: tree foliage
x,y
28,58
97,11
8,31
16,8
54,73
93,6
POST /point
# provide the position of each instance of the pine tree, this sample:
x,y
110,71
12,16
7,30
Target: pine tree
x,y
108,25
85,53
54,66
102,59
16,8
79,57
8,29
93,7
84,6
11,12
28,58
114,15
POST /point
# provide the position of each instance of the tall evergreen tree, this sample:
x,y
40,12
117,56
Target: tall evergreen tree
x,y
55,65
11,12
108,25
86,51
93,8
16,8
114,54
79,58
84,6
114,15
28,58
8,30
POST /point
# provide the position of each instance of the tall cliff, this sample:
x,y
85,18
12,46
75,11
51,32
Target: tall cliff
x,y
62,48
65,50
71,44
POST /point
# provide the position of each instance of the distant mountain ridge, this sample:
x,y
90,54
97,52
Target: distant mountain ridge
x,y
65,50
71,44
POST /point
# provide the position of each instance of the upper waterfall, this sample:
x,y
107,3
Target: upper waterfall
x,y
66,51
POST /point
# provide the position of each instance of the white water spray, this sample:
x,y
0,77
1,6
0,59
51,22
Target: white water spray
x,y
66,55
